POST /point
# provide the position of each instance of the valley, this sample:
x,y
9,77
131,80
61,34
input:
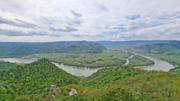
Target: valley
x,y
130,59
128,73
90,50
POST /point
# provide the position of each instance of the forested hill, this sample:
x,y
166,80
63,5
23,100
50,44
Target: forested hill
x,y
32,80
42,81
8,49
139,43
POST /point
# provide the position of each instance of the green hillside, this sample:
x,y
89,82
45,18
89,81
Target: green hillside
x,y
42,81
127,84
32,80
6,65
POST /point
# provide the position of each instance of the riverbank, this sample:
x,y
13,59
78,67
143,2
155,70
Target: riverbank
x,y
159,65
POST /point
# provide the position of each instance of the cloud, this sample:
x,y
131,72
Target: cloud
x,y
103,7
17,22
13,33
75,13
19,33
133,17
89,20
66,29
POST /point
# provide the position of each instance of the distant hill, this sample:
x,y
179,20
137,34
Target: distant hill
x,y
139,43
15,49
160,48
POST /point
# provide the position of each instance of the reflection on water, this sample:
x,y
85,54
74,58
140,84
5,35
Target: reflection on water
x,y
159,65
77,71
18,60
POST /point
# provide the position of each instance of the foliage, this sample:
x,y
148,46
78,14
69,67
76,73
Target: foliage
x,y
165,50
139,61
106,58
6,65
109,75
35,82
118,95
33,79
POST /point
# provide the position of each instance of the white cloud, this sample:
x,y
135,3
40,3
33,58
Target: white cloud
x,y
90,19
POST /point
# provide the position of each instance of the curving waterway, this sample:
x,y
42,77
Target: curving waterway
x,y
159,65
18,60
77,71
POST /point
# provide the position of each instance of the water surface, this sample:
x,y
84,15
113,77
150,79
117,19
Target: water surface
x,y
18,60
77,71
159,65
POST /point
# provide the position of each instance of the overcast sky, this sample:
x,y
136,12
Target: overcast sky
x,y
92,20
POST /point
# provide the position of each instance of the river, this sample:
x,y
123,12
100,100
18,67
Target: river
x,y
127,60
159,65
18,60
77,71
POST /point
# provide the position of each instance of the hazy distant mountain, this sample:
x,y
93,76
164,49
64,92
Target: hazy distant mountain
x,y
12,49
141,44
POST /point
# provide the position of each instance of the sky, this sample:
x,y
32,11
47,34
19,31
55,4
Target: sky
x,y
91,20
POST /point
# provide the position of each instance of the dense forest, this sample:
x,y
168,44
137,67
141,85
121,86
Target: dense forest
x,y
43,81
6,66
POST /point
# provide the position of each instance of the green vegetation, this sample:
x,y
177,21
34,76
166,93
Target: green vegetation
x,y
32,80
173,58
109,75
167,52
6,65
107,58
42,81
17,49
139,61
104,59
